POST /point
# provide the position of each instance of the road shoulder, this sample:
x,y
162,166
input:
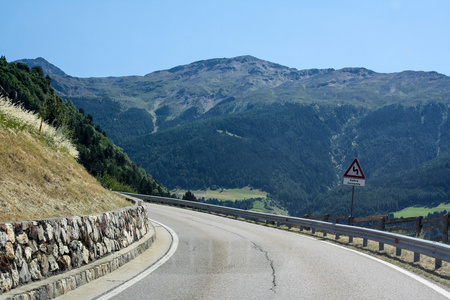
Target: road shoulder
x,y
111,281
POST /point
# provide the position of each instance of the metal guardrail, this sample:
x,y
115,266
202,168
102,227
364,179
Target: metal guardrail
x,y
437,250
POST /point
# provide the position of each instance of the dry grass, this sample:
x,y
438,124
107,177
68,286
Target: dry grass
x,y
16,118
38,180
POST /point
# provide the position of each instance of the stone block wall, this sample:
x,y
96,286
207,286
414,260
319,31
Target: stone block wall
x,y
32,250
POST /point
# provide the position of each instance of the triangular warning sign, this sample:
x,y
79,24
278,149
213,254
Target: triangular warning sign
x,y
355,171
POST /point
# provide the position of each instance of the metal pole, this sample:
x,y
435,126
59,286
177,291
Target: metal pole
x,y
351,208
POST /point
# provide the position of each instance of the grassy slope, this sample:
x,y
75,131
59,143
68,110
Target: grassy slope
x,y
40,181
415,211
238,195
226,194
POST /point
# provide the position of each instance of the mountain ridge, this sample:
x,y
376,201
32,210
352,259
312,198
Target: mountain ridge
x,y
47,67
206,83
169,97
291,132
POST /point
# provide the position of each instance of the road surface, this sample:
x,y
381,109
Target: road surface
x,y
221,258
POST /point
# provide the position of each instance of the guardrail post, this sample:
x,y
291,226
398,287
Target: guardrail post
x,y
350,222
416,256
398,251
306,216
325,218
313,230
445,228
383,224
418,225
437,263
337,236
380,246
364,242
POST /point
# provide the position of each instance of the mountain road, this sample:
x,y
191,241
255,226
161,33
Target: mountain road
x,y
221,258
213,257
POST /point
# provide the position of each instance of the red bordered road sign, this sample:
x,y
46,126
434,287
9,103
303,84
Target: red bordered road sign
x,y
355,175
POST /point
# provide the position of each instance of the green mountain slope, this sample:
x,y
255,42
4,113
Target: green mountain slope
x,y
244,121
298,156
256,148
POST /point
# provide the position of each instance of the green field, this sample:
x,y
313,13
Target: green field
x,y
415,211
237,195
225,194
261,207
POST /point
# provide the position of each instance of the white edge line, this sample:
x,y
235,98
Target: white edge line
x,y
151,269
429,284
424,281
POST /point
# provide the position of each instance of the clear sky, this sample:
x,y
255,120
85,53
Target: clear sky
x,y
96,38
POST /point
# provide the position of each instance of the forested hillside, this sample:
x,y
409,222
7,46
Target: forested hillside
x,y
242,121
426,185
300,157
31,89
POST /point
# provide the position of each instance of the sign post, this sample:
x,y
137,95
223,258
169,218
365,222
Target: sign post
x,y
354,176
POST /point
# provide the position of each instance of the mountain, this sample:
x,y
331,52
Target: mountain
x,y
235,122
48,68
215,87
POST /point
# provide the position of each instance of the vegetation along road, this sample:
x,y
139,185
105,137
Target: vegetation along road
x,y
221,258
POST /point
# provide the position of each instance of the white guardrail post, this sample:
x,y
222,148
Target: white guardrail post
x,y
439,251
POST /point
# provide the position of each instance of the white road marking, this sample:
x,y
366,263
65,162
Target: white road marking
x,y
159,263
429,284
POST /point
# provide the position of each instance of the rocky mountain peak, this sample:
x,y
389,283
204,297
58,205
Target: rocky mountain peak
x,y
49,69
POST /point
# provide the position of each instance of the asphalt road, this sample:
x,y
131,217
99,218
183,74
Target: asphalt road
x,y
220,258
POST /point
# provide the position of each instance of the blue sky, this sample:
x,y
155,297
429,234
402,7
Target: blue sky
x,y
119,38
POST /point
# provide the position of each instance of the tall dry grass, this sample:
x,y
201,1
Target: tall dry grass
x,y
39,175
16,118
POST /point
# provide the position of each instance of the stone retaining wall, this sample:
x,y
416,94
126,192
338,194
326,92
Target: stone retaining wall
x,y
33,250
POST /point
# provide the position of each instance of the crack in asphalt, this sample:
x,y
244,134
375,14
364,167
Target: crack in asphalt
x,y
187,244
259,248
217,227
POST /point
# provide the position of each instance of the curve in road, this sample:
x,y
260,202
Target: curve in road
x,y
221,258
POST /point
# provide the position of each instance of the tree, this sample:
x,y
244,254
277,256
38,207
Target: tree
x,y
189,196
38,70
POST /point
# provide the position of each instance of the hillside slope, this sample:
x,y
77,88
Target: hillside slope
x,y
39,179
104,160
